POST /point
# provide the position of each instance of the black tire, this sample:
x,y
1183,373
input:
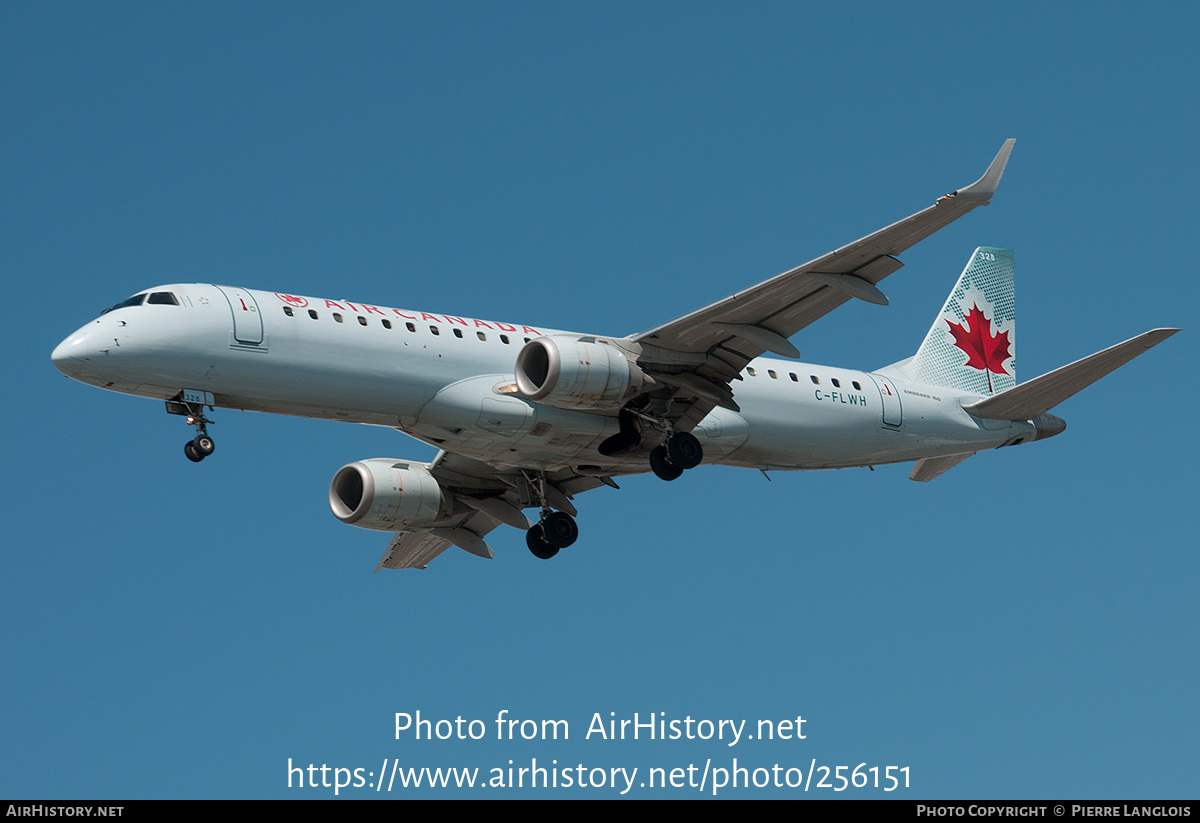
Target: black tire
x,y
685,450
661,466
189,448
537,544
204,445
559,529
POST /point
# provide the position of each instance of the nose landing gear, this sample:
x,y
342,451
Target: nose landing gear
x,y
202,445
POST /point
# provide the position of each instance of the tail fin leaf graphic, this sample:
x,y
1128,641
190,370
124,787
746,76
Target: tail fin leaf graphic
x,y
972,343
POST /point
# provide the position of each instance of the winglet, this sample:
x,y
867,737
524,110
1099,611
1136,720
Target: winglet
x,y
985,186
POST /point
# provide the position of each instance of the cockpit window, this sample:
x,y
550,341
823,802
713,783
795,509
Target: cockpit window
x,y
162,298
136,300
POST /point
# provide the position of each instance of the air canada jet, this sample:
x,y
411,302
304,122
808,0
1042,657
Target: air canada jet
x,y
527,417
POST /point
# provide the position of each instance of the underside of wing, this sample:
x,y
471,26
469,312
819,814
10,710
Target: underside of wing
x,y
480,498
412,550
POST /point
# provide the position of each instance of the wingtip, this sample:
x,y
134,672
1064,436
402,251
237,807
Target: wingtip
x,y
986,186
1153,337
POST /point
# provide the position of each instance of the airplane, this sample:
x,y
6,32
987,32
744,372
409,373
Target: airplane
x,y
528,417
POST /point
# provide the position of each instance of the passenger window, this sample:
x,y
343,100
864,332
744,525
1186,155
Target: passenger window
x,y
434,330
816,381
410,326
751,372
362,321
836,384
387,324
481,335
504,339
772,373
312,313
288,311
458,333
792,375
857,387
337,317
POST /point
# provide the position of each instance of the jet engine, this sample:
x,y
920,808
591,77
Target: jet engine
x,y
577,373
387,495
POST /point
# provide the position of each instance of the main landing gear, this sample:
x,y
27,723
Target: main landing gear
x,y
555,530
681,451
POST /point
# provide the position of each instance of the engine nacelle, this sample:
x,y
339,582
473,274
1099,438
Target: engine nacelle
x,y
388,495
573,373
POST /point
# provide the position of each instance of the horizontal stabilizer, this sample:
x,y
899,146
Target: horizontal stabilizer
x,y
927,468
1028,400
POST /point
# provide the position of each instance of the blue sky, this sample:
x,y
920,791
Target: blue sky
x,y
1023,627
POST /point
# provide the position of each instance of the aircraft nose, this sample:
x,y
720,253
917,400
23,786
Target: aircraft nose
x,y
71,356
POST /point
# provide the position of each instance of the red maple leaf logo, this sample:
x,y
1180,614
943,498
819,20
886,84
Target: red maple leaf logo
x,y
292,299
985,351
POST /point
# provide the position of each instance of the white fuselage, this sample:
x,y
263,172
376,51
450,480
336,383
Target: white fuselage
x,y
448,381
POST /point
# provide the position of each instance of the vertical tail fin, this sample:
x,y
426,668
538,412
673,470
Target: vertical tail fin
x,y
972,344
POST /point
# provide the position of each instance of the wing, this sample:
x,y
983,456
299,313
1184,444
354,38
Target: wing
x,y
699,354
485,497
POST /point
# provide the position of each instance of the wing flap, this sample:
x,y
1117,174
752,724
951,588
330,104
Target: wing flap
x,y
412,550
